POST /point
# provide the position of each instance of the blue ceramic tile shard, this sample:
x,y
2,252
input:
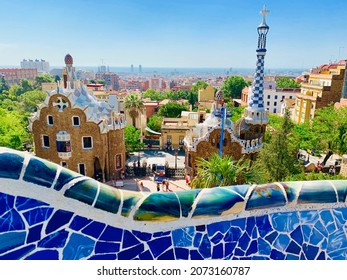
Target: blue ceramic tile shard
x,y
241,223
217,238
186,200
143,236
316,237
281,242
292,257
181,253
130,200
34,233
59,219
250,224
253,248
65,176
79,222
54,240
131,253
317,192
158,206
197,239
213,202
221,227
264,247
84,191
218,251
106,247
10,221
277,255
296,235
44,255
78,247
244,241
239,252
306,230
146,256
340,216
293,248
183,237
13,170
321,256
40,172
337,240
109,199
310,251
18,254
200,228
159,245
195,255
11,240
6,203
205,247
308,217
229,248
94,229
271,237
265,196
161,233
284,222
129,240
168,255
24,203
233,234
340,254
112,234
263,225
38,215
321,228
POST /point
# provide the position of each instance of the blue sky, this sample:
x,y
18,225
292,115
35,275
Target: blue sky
x,y
172,33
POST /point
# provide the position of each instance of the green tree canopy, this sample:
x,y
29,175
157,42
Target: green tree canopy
x,y
286,82
171,110
42,78
3,84
198,85
155,122
278,157
30,99
232,87
222,171
13,132
132,138
154,95
134,105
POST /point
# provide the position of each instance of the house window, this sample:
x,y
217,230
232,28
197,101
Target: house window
x,y
268,97
290,97
181,140
63,146
75,121
63,164
87,142
50,120
275,110
275,103
45,141
275,96
82,168
268,103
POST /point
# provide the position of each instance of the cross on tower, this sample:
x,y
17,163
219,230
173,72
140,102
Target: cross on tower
x,y
264,12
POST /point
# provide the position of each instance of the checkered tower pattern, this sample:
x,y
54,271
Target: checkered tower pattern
x,y
257,97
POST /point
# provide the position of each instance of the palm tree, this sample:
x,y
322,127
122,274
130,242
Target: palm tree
x,y
222,171
134,105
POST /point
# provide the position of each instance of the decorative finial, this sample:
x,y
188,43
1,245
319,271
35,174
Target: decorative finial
x,y
264,12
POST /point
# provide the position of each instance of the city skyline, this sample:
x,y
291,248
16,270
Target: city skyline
x,y
181,34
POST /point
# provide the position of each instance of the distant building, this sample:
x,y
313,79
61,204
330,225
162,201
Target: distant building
x,y
14,75
41,65
111,80
324,86
74,129
157,83
206,97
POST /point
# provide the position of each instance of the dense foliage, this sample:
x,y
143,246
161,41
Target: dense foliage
x,y
232,87
132,138
171,110
286,82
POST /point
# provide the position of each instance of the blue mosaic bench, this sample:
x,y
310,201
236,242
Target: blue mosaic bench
x,y
49,212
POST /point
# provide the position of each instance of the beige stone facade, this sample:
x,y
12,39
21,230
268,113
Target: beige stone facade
x,y
72,128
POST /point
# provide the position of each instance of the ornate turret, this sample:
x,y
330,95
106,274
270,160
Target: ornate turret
x,y
69,75
255,112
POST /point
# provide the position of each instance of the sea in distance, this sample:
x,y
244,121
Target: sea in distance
x,y
189,71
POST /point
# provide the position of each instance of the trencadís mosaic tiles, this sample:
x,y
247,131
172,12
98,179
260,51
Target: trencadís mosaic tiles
x,y
47,212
